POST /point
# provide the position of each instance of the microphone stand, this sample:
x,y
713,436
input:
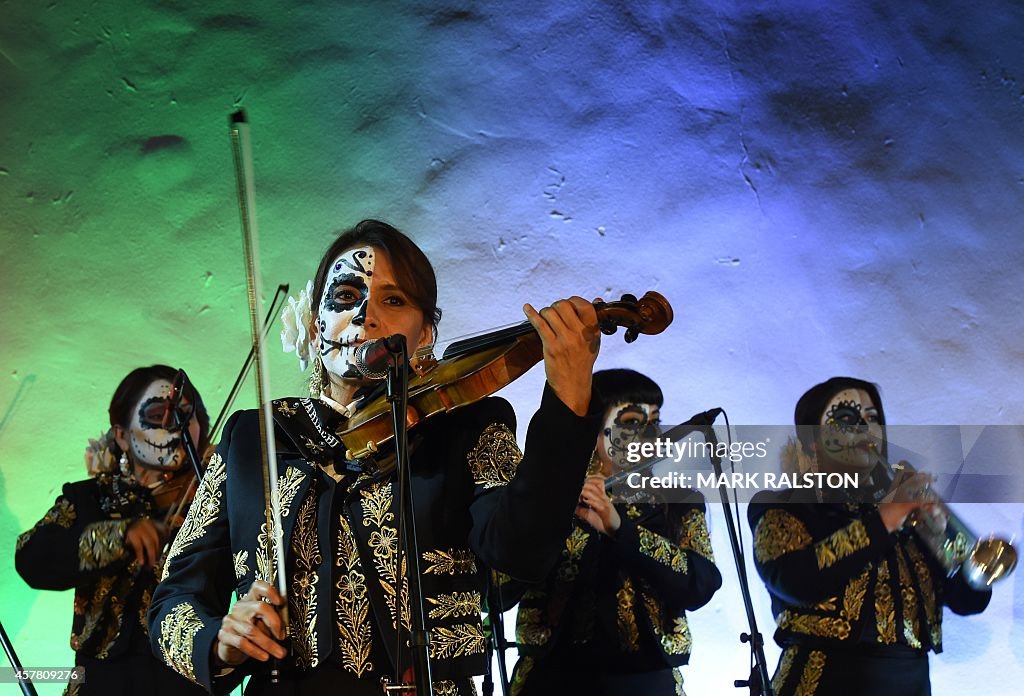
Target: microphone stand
x,y
758,681
19,672
497,645
398,396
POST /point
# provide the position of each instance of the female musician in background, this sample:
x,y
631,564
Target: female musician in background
x,y
610,619
104,537
857,598
479,501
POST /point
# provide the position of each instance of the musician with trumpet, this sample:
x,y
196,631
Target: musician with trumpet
x,y
857,595
480,502
104,535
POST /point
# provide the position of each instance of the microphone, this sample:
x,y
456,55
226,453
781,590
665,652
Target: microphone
x,y
174,400
705,417
372,357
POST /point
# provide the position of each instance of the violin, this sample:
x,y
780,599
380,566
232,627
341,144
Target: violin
x,y
472,368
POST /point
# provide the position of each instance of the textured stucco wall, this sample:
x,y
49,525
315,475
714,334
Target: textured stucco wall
x,y
819,188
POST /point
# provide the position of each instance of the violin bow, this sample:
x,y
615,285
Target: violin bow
x,y
241,145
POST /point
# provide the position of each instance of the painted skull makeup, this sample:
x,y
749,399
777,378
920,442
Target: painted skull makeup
x,y
342,311
627,422
151,444
849,429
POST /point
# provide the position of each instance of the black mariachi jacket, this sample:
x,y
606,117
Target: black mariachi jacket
x,y
80,544
477,506
621,602
836,576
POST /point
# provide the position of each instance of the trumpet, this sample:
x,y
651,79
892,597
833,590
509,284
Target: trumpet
x,y
955,547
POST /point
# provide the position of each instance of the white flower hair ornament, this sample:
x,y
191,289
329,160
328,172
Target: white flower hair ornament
x,y
99,456
296,318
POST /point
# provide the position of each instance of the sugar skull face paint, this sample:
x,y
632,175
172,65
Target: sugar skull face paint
x,y
362,301
342,313
850,430
151,444
626,422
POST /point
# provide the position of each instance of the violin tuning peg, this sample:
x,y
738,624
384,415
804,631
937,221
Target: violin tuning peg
x,y
628,298
631,334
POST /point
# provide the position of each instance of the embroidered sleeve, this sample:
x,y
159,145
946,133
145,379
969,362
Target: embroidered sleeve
x,y
804,564
777,534
494,460
204,509
694,534
102,543
841,543
177,634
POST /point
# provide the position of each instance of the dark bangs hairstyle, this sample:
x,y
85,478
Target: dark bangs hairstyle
x,y
810,407
413,271
130,390
620,384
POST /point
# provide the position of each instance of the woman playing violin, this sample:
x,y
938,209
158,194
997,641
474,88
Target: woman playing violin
x,y
480,502
104,537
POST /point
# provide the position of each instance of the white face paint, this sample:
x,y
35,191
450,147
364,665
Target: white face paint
x,y
151,444
626,422
850,429
342,312
363,301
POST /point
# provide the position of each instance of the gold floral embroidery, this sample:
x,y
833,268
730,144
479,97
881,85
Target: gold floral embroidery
x,y
785,665
662,550
812,674
240,560
352,607
632,512
147,597
675,641
841,543
924,579
450,562
285,409
288,486
575,544
376,505
778,533
92,611
494,460
454,605
302,598
520,675
178,630
694,536
677,676
456,641
885,611
629,634
909,598
530,627
830,626
62,514
116,613
205,507
445,688
102,543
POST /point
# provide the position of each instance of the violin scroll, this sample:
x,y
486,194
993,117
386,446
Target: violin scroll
x,y
649,315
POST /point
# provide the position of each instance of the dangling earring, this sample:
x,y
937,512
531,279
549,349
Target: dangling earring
x,y
316,378
123,464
